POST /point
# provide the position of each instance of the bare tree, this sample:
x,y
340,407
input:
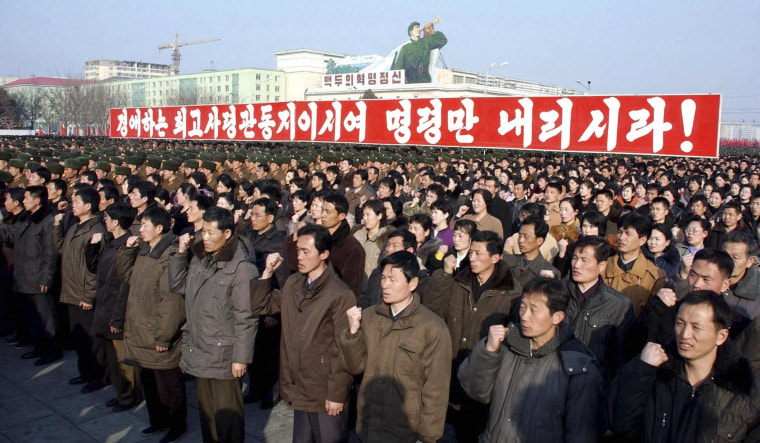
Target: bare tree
x,y
30,102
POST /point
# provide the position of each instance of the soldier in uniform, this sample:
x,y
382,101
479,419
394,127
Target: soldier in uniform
x,y
16,167
414,57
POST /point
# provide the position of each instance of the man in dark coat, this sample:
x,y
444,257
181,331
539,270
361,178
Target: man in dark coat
x,y
266,239
78,283
34,270
704,390
111,304
541,382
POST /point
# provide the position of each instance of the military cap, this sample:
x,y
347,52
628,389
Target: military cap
x,y
153,162
103,166
5,155
220,158
55,168
71,163
133,160
16,163
6,177
191,163
121,170
236,157
32,165
170,165
206,164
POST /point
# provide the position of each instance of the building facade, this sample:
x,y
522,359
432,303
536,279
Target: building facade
x,y
107,69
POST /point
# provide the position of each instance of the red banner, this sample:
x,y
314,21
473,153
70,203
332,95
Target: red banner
x,y
674,125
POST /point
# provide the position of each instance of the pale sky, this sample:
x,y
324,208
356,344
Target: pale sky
x,y
622,47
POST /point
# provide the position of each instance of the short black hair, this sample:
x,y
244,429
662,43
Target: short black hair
x,y
722,313
321,235
44,174
146,189
39,192
123,213
110,193
641,223
90,196
202,201
540,227
744,238
720,258
269,205
340,202
467,226
602,249
158,216
404,260
494,243
223,218
407,238
557,296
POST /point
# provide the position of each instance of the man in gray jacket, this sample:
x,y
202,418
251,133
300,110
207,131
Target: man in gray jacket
x,y
219,333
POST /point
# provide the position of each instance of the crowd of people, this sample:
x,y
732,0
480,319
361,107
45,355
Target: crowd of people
x,y
385,293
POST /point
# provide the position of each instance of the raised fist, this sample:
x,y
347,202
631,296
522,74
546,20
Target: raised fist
x,y
653,354
354,319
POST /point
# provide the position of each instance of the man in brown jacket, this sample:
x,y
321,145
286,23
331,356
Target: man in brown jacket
x,y
313,305
404,351
155,314
470,302
629,271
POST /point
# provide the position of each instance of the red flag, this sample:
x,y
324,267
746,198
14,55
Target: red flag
x,y
63,130
97,131
88,130
39,130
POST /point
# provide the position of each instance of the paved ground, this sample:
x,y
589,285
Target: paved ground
x,y
38,405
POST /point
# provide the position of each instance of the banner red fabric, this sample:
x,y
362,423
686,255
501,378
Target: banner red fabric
x,y
674,125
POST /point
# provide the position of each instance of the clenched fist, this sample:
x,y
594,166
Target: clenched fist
x,y
354,319
653,354
496,335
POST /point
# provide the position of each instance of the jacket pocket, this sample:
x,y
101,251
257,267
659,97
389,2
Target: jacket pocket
x,y
408,365
219,351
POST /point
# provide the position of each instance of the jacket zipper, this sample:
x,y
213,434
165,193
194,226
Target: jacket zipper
x,y
662,426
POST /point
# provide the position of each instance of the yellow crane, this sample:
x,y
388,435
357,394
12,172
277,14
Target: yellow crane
x,y
175,47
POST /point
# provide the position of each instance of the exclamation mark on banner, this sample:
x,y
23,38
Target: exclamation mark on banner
x,y
688,108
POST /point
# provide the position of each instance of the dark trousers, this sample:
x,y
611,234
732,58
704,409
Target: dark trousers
x,y
220,404
318,427
42,321
80,322
124,379
16,314
265,368
164,391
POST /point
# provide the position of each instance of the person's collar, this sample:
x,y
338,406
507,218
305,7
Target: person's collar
x,y
396,314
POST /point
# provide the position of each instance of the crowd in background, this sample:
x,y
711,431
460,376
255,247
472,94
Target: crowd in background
x,y
514,296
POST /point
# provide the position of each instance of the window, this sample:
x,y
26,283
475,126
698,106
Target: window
x,y
226,78
258,87
276,89
258,76
258,98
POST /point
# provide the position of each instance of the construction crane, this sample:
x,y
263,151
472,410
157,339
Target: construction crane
x,y
175,46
